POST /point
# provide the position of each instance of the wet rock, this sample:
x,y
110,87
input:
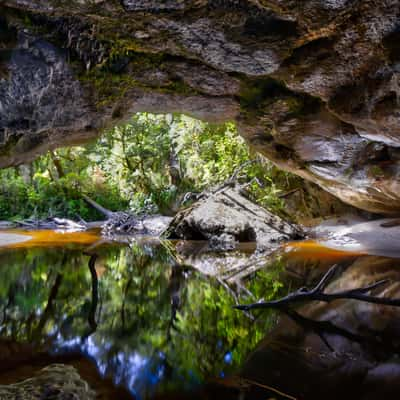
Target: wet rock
x,y
55,382
155,225
225,217
122,223
222,242
9,239
313,85
151,5
377,237
7,224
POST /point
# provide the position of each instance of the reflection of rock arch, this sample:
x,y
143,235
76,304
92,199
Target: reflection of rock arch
x,y
363,363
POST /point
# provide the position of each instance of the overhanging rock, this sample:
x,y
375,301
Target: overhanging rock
x,y
313,85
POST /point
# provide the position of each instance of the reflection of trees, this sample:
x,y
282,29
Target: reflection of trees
x,y
49,306
145,319
46,291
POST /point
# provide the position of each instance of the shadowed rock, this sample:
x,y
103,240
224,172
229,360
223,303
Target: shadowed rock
x,y
313,85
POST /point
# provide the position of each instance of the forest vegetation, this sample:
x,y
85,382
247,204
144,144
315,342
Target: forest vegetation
x,y
153,164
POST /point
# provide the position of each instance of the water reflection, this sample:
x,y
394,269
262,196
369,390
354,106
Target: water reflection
x,y
158,319
151,323
345,349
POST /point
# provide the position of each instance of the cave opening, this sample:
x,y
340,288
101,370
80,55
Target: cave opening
x,y
153,164
132,234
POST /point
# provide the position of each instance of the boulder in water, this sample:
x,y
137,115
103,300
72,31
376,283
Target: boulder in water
x,y
226,216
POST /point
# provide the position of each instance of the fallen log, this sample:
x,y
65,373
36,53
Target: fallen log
x,y
125,223
102,210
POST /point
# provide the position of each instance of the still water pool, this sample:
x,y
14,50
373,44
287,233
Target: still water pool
x,y
151,319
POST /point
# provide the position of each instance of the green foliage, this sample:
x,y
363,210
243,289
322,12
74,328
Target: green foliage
x,y
38,191
212,154
148,165
135,157
155,160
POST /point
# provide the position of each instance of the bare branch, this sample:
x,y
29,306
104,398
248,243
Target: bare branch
x,y
317,294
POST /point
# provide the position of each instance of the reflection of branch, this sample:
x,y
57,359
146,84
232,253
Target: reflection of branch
x,y
95,293
176,279
318,294
235,296
11,298
270,388
321,328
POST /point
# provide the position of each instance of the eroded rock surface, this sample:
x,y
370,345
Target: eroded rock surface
x,y
313,84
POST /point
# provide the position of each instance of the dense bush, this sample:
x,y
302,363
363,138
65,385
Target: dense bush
x,y
42,195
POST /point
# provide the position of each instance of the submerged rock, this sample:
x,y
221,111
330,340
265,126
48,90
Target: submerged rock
x,y
55,382
223,242
218,263
225,217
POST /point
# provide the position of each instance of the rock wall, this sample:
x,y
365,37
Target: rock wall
x,y
312,84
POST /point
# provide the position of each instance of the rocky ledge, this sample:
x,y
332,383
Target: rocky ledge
x,y
313,84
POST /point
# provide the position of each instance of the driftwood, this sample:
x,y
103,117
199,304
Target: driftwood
x,y
54,224
115,223
125,223
318,294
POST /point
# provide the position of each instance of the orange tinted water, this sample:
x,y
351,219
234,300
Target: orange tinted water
x,y
49,238
311,249
307,249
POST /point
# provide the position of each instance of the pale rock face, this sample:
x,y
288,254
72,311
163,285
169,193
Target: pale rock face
x,y
313,85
